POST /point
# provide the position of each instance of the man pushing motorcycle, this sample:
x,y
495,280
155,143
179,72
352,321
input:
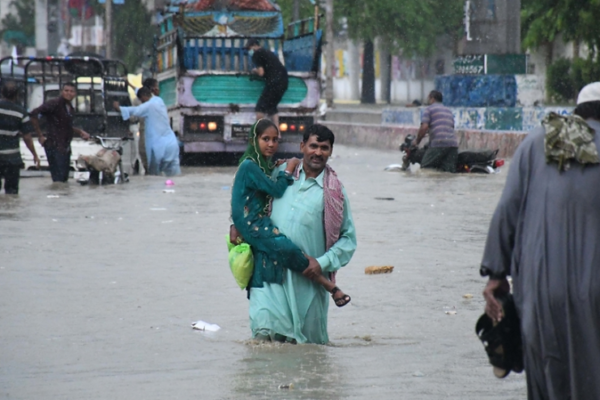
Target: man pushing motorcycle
x,y
438,121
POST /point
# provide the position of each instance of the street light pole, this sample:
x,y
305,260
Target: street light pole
x,y
330,61
108,29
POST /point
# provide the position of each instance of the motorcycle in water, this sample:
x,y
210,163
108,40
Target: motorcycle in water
x,y
482,161
104,167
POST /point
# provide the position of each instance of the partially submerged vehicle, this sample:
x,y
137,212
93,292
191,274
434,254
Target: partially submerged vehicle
x,y
204,74
99,82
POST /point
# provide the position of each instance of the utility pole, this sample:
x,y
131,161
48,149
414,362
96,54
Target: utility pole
x,y
330,59
41,27
296,11
108,29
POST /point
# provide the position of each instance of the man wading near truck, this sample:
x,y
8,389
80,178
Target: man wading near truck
x,y
442,153
269,67
59,120
162,149
14,119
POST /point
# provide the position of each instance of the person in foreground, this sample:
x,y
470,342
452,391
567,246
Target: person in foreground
x,y
252,191
314,213
545,234
162,149
438,120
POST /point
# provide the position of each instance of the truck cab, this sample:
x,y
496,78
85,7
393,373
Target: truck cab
x,y
204,74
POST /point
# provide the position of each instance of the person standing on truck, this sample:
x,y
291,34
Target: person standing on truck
x,y
268,66
438,119
57,143
162,149
14,119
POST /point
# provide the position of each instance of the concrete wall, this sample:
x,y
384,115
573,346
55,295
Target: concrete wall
x,y
390,137
490,118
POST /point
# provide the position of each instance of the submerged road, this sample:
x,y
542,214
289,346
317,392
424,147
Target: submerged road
x,y
99,287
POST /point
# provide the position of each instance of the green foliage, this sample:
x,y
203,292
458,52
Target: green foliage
x,y
584,71
559,82
577,20
307,10
133,33
22,21
410,26
566,77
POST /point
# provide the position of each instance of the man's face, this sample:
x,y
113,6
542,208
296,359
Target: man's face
x,y
315,153
68,93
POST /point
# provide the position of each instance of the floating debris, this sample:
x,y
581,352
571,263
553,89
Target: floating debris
x,y
386,269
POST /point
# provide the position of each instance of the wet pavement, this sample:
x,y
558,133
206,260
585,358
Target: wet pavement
x,y
99,287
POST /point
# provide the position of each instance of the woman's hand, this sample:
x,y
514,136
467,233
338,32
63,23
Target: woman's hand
x,y
292,164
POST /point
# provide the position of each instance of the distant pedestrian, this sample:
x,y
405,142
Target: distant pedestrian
x,y
14,119
438,121
162,148
269,67
59,121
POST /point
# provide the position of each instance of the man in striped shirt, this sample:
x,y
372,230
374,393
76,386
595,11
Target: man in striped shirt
x,y
442,153
14,119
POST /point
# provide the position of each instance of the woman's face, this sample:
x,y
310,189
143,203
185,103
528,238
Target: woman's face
x,y
268,142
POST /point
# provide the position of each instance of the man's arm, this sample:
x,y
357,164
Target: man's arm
x,y
425,121
45,108
260,71
29,143
422,132
140,111
84,135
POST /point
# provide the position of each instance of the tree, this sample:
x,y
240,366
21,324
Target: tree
x,y
133,33
19,28
411,27
577,20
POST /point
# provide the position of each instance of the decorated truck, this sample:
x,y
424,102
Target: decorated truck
x,y
204,74
98,82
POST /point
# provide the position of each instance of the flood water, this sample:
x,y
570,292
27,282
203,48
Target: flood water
x,y
99,287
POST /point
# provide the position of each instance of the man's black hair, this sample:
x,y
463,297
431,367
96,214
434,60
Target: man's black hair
x,y
143,92
71,84
252,42
150,83
437,96
10,90
589,109
322,133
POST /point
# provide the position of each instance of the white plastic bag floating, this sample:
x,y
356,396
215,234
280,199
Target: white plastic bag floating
x,y
205,326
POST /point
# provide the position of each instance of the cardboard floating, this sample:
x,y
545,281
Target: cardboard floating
x,y
386,269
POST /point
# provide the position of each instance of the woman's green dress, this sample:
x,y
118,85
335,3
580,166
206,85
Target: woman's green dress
x,y
249,201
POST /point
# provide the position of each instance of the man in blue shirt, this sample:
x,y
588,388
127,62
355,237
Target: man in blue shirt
x,y
442,153
162,149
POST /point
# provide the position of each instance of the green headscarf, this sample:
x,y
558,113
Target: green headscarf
x,y
253,152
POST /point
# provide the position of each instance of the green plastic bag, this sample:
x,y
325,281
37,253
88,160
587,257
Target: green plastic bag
x,y
241,262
